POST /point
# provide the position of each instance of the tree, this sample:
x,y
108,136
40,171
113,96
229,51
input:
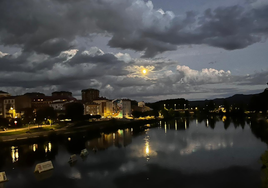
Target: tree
x,y
137,114
226,106
3,122
45,113
74,111
28,116
211,105
164,113
171,112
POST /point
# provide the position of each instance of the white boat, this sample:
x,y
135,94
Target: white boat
x,y
3,177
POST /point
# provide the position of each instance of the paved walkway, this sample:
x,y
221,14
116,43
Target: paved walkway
x,y
22,129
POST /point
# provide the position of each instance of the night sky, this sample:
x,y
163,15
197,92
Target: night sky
x,y
190,49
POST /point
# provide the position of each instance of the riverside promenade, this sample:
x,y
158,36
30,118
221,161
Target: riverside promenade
x,y
93,127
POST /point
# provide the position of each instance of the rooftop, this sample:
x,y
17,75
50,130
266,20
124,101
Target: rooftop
x,y
100,98
3,92
91,103
90,89
53,98
62,92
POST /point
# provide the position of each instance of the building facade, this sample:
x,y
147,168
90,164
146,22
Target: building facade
x,y
91,108
46,101
105,107
14,107
126,108
121,108
141,104
58,105
88,95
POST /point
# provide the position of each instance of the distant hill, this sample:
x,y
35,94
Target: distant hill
x,y
169,103
182,103
235,99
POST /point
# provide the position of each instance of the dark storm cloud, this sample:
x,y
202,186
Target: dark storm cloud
x,y
8,63
42,26
69,70
50,27
51,58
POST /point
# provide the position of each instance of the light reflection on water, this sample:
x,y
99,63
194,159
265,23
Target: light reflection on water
x,y
187,148
14,154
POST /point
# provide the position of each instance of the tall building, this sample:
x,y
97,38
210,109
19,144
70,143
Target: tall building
x,y
88,95
126,108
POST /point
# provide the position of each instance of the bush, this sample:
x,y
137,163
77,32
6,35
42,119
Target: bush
x,y
3,122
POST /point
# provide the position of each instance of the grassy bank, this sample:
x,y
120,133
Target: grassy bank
x,y
88,129
30,130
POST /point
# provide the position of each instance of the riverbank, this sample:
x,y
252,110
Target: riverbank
x,y
86,128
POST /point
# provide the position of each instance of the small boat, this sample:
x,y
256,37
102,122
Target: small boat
x,y
3,177
84,153
73,159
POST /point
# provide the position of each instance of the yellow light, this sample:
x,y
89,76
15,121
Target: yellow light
x,y
147,150
35,147
49,146
144,71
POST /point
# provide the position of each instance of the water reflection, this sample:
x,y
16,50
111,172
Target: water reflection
x,y
14,154
147,146
48,147
35,147
193,151
121,138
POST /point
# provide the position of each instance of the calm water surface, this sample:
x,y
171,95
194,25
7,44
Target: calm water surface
x,y
178,153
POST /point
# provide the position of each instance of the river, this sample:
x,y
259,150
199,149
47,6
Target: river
x,y
177,153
